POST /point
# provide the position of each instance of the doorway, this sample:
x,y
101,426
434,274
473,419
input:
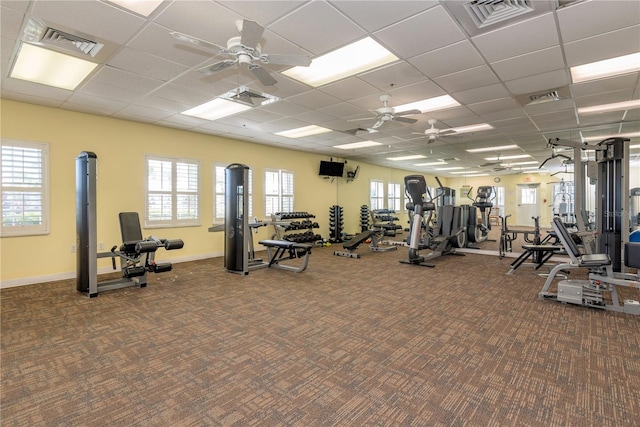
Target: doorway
x,y
528,204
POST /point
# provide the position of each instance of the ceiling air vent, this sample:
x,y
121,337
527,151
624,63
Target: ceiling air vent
x,y
250,97
39,32
489,12
544,97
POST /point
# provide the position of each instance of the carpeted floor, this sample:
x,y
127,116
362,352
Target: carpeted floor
x,y
348,342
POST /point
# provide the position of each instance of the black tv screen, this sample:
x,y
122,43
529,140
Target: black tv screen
x,y
331,168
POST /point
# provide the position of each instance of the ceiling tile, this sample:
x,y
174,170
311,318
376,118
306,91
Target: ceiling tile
x,y
157,40
254,11
409,38
612,84
306,23
450,59
349,88
495,105
398,74
529,64
538,83
467,79
604,46
384,13
482,93
146,65
611,15
527,36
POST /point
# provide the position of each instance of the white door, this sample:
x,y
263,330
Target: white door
x,y
528,204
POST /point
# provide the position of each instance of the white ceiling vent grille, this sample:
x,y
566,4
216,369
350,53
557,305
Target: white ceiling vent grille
x,y
250,97
38,32
544,97
489,12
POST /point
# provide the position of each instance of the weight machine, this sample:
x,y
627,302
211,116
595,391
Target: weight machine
x,y
136,255
478,232
441,237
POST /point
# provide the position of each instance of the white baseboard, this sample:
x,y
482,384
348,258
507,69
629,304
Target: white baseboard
x,y
24,281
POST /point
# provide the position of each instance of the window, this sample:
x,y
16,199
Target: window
x,y
376,196
394,196
499,201
172,192
278,191
528,195
219,193
25,192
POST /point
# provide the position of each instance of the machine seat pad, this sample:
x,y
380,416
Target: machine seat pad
x,y
543,248
284,244
595,259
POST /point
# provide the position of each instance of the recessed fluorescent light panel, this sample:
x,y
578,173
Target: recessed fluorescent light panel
x,y
361,144
303,131
617,106
472,128
431,104
603,137
216,109
347,61
413,157
532,162
495,148
141,7
515,156
477,174
431,164
449,169
607,68
635,146
47,67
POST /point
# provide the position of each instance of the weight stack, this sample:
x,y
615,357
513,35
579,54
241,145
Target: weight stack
x,y
335,224
364,218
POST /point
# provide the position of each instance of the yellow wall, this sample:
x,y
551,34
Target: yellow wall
x,y
121,146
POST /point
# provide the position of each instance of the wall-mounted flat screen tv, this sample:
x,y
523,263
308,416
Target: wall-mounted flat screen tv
x,y
331,168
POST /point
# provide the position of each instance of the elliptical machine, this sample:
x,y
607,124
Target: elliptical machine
x,y
441,237
478,232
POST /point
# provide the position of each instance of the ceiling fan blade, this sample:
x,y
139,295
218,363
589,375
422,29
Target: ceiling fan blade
x,y
251,33
408,112
446,132
360,120
194,40
404,120
293,60
218,66
357,131
377,124
263,75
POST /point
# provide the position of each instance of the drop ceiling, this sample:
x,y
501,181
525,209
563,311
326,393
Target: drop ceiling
x,y
149,76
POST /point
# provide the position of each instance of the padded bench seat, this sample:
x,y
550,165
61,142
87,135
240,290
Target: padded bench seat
x,y
282,250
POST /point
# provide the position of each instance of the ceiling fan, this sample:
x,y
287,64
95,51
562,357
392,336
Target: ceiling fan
x,y
433,132
386,114
246,51
493,163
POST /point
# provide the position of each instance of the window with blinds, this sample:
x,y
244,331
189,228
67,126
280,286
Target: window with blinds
x,y
172,192
278,191
394,196
376,194
24,184
219,196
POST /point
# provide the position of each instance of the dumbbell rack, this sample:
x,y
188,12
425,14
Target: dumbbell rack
x,y
384,218
284,222
364,218
336,224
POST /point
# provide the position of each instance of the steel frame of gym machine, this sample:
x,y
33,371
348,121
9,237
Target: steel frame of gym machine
x,y
130,254
415,187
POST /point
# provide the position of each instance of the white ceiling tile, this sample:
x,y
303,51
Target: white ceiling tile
x,y
140,112
450,59
349,88
604,46
126,80
421,33
604,98
613,84
529,64
494,105
480,94
180,94
111,24
313,99
96,105
540,82
318,28
156,40
146,65
602,118
527,36
549,107
398,74
384,13
467,79
254,11
10,21
611,15
415,92
102,90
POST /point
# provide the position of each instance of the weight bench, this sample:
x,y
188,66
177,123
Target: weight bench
x,y
282,250
539,254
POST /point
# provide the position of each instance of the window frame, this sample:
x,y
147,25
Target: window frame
x,y
394,196
44,189
218,217
376,201
281,195
174,221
